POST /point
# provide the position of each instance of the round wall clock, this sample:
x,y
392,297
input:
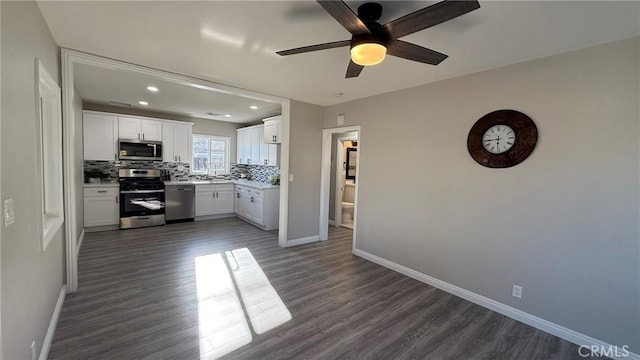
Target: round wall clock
x,y
502,139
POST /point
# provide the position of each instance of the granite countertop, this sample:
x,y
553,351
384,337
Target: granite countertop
x,y
247,183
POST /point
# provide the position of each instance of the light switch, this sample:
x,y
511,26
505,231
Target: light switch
x,y
9,217
290,177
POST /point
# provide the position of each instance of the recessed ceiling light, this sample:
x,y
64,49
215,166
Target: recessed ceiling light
x,y
152,88
253,107
143,103
227,115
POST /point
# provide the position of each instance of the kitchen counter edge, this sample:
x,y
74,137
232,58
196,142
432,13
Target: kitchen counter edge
x,y
247,183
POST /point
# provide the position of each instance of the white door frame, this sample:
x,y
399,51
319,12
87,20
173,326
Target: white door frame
x,y
325,184
72,57
337,202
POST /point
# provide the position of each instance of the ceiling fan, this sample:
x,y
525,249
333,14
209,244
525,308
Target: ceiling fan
x,y
370,41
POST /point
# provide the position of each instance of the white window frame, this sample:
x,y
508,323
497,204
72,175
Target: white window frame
x,y
49,121
227,163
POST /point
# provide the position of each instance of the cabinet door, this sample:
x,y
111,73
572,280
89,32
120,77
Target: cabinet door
x,y
264,153
272,158
246,147
272,130
151,129
183,142
255,139
205,203
224,201
100,137
238,205
258,210
240,147
129,128
101,210
168,142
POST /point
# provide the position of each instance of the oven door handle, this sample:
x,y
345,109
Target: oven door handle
x,y
142,191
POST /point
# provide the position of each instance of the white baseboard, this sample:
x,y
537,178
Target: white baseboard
x,y
80,239
304,240
519,315
48,339
332,223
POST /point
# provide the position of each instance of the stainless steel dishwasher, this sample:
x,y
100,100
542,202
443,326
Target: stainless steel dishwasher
x,y
179,202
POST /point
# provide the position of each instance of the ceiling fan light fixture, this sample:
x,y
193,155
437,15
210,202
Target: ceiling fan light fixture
x,y
368,53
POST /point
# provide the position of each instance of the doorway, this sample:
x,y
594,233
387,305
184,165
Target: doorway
x,y
344,175
71,58
336,174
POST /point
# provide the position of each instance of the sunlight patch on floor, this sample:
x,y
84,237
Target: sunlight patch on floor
x,y
264,307
221,323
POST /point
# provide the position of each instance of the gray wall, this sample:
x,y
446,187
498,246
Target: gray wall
x,y
305,136
563,224
200,126
79,164
31,278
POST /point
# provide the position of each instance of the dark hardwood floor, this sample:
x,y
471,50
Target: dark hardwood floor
x,y
137,299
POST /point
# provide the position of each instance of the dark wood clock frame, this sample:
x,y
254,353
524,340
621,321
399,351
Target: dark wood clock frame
x,y
526,138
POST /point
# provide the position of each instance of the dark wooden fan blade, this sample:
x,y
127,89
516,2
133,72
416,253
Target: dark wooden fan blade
x,y
345,16
316,47
353,70
414,52
429,16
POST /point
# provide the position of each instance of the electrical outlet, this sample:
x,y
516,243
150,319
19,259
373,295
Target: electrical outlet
x,y
517,291
9,216
33,350
290,177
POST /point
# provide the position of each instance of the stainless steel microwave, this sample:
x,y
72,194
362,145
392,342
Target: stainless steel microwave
x,y
140,150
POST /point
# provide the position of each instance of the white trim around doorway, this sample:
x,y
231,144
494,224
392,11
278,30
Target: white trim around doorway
x,y
325,175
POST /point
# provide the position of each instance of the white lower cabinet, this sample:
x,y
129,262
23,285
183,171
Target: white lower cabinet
x,y
214,199
101,206
259,207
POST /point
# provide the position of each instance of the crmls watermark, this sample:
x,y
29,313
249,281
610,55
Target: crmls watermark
x,y
610,351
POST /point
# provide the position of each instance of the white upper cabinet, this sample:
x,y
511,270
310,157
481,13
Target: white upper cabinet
x,y
100,136
183,142
272,129
176,142
255,138
168,143
141,129
101,132
129,128
253,150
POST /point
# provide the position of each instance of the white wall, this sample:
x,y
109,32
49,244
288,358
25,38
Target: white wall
x,y
563,224
304,163
31,278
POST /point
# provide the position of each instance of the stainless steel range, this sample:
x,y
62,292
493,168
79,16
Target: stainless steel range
x,y
141,198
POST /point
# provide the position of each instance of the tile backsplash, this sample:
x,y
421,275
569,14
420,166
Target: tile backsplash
x,y
108,170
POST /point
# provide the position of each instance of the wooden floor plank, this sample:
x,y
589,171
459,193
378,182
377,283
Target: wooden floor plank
x,y
137,299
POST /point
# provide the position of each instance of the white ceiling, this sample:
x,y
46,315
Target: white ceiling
x,y
109,86
233,42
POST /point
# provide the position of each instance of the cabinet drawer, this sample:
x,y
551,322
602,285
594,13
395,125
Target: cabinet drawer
x,y
226,187
257,193
101,191
205,188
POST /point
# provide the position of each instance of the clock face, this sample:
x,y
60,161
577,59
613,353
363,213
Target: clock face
x,y
498,139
